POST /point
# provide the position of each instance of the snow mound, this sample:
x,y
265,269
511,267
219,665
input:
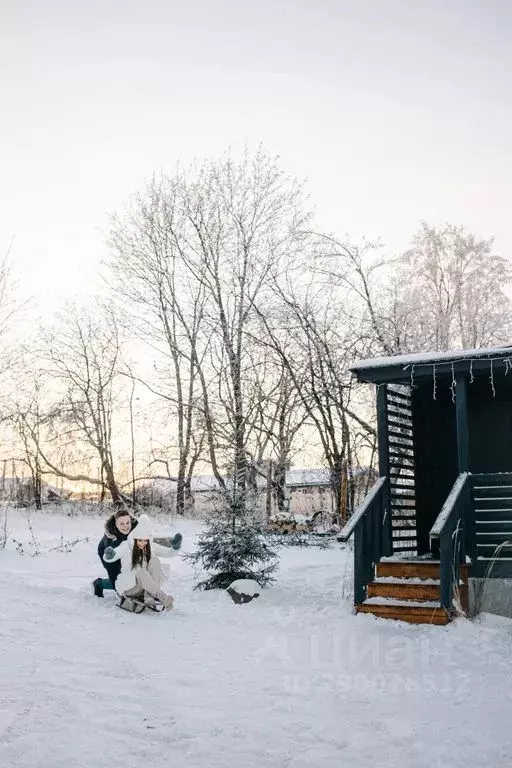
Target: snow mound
x,y
248,587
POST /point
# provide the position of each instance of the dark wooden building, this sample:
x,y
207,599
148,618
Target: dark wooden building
x,y
441,511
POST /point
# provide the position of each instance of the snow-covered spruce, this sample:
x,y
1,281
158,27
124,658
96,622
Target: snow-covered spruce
x,y
234,545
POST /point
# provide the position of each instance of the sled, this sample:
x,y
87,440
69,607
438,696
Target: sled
x,y
133,605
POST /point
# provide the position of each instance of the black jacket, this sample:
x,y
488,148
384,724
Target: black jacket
x,y
112,538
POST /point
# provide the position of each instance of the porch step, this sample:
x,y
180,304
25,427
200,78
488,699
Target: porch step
x,y
423,569
404,611
404,590
409,590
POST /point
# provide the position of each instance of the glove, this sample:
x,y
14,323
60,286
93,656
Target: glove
x,y
110,555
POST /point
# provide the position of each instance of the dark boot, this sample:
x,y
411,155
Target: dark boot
x,y
97,587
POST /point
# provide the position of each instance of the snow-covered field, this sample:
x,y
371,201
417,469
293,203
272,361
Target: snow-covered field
x,y
291,679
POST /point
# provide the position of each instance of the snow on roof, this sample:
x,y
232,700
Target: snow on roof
x,y
321,476
429,358
197,483
205,483
16,482
294,478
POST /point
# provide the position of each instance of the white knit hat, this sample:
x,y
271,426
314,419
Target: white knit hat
x,y
143,528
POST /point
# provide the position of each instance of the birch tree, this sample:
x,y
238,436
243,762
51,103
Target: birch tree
x,y
166,312
196,253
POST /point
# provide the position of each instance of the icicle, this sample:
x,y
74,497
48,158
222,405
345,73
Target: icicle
x,y
491,377
434,392
453,384
471,371
412,376
507,365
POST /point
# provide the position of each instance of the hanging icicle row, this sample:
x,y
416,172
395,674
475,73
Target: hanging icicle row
x,y
507,361
453,384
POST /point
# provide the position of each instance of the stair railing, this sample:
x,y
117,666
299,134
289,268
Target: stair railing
x,y
454,529
371,536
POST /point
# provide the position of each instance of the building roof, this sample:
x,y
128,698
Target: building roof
x,y
294,478
400,367
321,476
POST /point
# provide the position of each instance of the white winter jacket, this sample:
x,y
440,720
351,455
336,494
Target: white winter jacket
x,y
126,579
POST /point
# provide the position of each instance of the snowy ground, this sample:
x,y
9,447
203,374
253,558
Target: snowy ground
x,y
291,679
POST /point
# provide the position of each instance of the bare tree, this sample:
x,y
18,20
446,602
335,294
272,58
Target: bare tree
x,y
275,417
447,291
246,220
168,306
9,307
82,354
456,289
311,333
197,253
28,420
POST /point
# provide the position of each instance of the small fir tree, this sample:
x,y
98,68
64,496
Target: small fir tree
x,y
234,544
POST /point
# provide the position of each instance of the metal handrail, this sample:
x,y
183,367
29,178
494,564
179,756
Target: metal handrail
x,y
361,511
453,528
448,506
372,537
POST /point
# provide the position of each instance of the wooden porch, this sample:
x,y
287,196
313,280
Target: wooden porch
x,y
441,511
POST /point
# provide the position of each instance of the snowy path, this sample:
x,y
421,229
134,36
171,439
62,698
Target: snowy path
x,y
291,679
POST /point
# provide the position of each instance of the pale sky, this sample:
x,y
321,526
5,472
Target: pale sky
x,y
393,110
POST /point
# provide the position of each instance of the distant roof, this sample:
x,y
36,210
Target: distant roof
x,y
203,483
294,478
321,476
399,367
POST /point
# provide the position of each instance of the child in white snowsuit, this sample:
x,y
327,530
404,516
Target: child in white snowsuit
x,y
141,575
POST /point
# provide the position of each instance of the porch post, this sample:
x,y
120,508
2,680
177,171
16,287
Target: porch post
x,y
468,545
383,440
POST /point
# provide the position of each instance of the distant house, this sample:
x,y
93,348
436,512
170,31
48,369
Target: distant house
x,y
310,490
20,492
307,491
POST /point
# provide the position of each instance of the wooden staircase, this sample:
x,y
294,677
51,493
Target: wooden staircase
x,y
409,590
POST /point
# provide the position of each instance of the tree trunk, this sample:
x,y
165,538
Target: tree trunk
x,y
280,486
181,489
38,489
339,489
268,497
112,485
